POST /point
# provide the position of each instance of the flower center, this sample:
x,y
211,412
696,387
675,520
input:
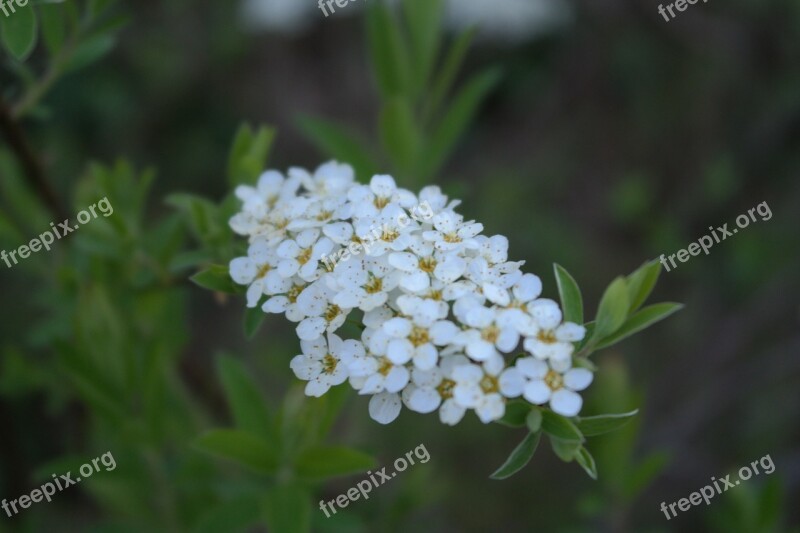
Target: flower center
x,y
304,256
381,201
489,384
452,237
281,223
385,366
490,334
332,312
434,294
554,380
374,285
324,215
294,292
389,235
418,336
546,336
329,363
263,270
427,264
445,388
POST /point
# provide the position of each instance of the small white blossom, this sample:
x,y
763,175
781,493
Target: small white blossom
x,y
556,383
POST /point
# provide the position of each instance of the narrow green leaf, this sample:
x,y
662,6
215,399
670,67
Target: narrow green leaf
x,y
641,283
644,318
566,450
519,457
570,295
390,59
516,412
645,472
245,401
613,309
89,51
423,19
448,71
334,141
597,425
399,132
585,459
287,509
241,447
217,278
534,420
457,118
324,462
19,31
248,156
54,28
560,427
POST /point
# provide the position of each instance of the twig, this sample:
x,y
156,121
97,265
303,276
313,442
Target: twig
x,y
30,164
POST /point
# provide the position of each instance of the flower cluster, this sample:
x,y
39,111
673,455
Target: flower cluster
x,y
438,303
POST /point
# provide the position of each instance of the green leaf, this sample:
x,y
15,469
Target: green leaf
x,y
217,278
516,412
519,457
54,28
597,425
447,73
565,450
253,319
534,420
399,133
570,295
246,402
560,427
336,142
644,473
324,462
424,18
241,447
249,153
90,50
458,117
585,459
641,283
389,51
644,318
613,309
287,509
19,31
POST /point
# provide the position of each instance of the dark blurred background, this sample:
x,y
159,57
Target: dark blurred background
x,y
613,137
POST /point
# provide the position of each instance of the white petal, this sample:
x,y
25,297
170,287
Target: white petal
x,y
546,313
481,350
566,402
451,413
316,388
397,378
415,282
537,392
288,249
450,268
311,328
529,287
243,270
467,395
399,351
426,378
496,294
304,367
491,408
398,327
467,374
531,367
384,407
578,378
424,400
507,340
426,357
569,332
405,261
442,332
512,382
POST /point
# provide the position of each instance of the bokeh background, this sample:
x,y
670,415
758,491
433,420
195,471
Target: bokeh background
x,y
612,137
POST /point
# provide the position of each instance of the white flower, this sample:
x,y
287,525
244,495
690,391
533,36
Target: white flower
x,y
409,340
384,233
486,335
433,389
370,200
452,233
302,255
364,283
546,338
380,374
287,302
484,389
556,383
316,303
258,270
324,365
423,262
330,179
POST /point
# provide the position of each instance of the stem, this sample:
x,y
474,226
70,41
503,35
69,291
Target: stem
x,y
30,164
